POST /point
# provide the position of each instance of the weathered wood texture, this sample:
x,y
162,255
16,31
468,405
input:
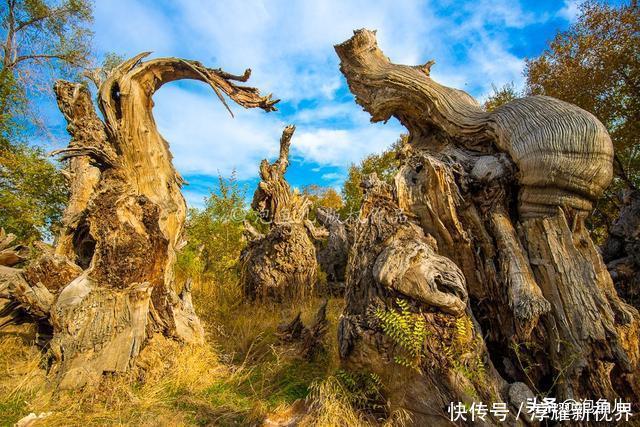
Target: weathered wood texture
x,y
333,251
109,284
391,258
495,205
621,251
281,264
10,253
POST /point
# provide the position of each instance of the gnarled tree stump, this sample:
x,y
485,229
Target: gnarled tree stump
x,y
109,284
281,264
503,195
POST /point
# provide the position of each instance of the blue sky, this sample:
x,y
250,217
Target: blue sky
x,y
289,47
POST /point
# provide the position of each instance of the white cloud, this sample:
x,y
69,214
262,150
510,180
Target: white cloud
x,y
570,10
494,64
195,199
332,111
205,139
333,176
341,147
289,45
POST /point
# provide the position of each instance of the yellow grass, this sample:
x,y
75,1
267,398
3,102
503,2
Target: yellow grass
x,y
240,376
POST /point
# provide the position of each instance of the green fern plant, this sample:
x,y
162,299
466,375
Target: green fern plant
x,y
463,343
464,331
363,390
406,329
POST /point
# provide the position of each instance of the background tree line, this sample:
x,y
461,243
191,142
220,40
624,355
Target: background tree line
x,y
41,41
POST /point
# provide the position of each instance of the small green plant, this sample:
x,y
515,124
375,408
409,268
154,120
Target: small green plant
x,y
528,366
364,390
464,331
408,330
348,396
525,362
464,356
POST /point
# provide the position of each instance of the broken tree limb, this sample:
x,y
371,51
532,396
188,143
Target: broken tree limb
x,y
309,339
312,337
11,254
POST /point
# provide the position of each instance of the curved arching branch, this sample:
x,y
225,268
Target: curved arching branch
x,y
155,73
409,94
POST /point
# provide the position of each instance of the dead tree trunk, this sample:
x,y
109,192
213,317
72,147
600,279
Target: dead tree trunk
x,y
333,252
109,285
281,264
309,338
504,196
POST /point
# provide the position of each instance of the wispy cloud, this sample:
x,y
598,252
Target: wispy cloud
x,y
341,147
570,10
206,140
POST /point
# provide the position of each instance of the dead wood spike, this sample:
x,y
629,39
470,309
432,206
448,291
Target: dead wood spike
x,y
309,339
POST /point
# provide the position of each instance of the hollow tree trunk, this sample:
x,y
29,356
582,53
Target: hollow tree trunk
x,y
504,196
109,284
282,263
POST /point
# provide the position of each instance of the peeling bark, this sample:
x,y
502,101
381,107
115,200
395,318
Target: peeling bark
x,y
504,196
109,285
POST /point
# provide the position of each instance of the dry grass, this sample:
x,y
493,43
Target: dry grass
x,y
238,377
